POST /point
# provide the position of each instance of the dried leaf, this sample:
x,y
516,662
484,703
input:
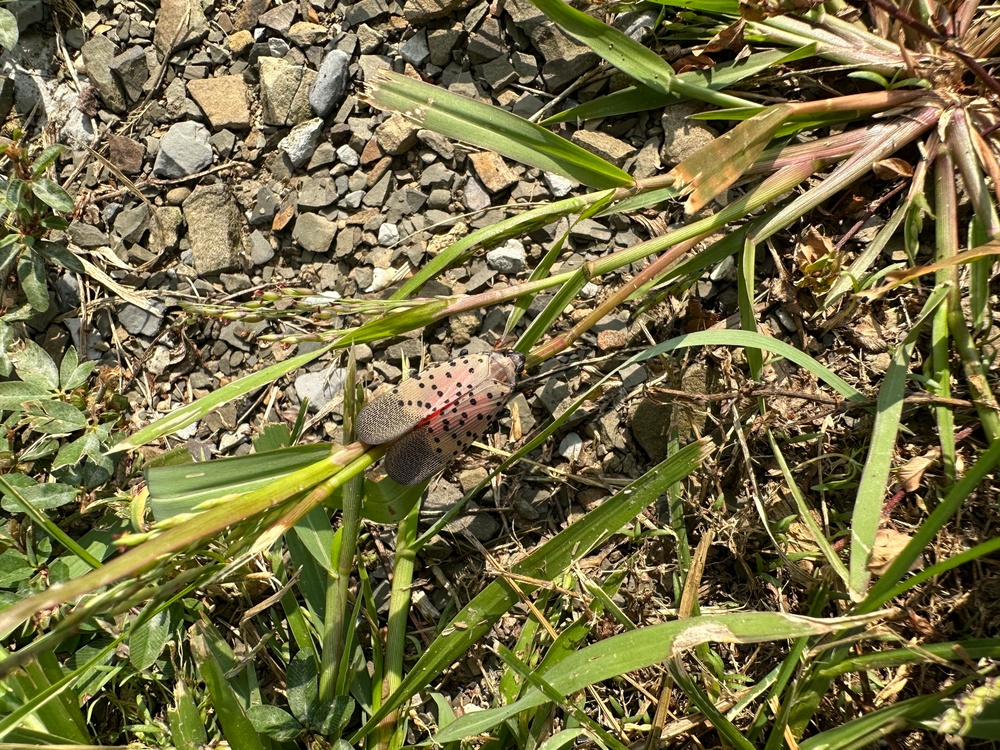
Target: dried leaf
x,y
891,169
693,62
817,261
730,38
910,475
888,544
284,215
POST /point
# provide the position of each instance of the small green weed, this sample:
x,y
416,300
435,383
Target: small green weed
x,y
32,203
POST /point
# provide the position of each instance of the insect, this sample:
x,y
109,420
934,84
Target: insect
x,y
434,416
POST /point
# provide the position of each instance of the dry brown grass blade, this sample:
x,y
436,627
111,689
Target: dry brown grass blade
x,y
717,165
896,278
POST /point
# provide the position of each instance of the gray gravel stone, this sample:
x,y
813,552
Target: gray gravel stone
x,y
87,236
314,233
97,56
554,393
316,192
319,387
415,50
260,248
442,42
223,100
141,321
397,135
130,68
651,426
681,136
278,47
418,12
439,199
240,335
437,175
165,230
265,207
571,447
589,230
214,224
279,18
347,155
485,43
132,223
27,12
475,196
376,196
234,283
499,73
184,150
330,85
126,154
305,33
325,153
606,146
388,235
558,185
364,11
179,24
302,140
248,14
510,258
284,91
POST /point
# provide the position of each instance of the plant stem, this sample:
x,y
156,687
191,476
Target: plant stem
x,y
399,610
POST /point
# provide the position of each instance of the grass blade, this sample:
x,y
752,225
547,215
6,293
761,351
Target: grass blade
x,y
545,563
629,56
647,646
871,492
491,128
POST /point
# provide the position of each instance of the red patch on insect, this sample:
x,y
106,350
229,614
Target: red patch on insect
x,y
432,418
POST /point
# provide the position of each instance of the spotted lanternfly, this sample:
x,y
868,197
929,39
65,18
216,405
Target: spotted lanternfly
x,y
435,416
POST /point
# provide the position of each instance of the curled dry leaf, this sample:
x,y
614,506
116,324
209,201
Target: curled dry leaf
x,y
910,475
888,544
892,169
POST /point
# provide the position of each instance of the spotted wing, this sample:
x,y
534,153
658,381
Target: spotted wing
x,y
438,441
420,398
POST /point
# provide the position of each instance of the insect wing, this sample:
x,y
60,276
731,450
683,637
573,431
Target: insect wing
x,y
419,398
445,436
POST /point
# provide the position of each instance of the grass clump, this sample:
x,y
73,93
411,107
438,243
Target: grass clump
x,y
844,481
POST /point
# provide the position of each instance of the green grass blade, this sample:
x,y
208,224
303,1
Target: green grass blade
x,y
642,98
731,736
871,492
492,235
647,646
236,727
749,339
806,515
46,524
187,731
745,294
926,532
181,418
39,700
174,490
958,651
872,727
860,265
491,128
545,563
629,56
